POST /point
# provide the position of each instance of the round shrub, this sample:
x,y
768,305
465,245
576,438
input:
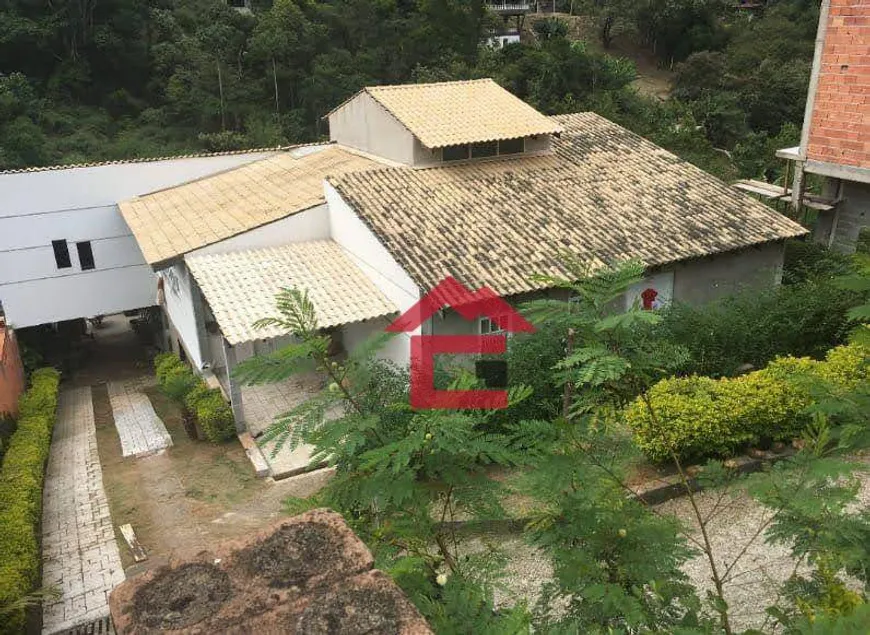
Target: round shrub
x,y
695,416
174,377
846,366
215,416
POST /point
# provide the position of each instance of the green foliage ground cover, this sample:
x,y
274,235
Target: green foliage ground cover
x,y
21,479
178,381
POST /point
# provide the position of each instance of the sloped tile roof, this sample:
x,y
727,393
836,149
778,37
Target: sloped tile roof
x,y
606,194
453,113
172,222
241,286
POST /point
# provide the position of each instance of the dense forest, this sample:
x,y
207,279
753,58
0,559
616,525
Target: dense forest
x,y
83,80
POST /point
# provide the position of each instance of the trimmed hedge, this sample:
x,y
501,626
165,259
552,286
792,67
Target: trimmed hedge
x,y
700,417
21,480
212,412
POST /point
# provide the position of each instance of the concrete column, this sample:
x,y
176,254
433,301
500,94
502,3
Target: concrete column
x,y
235,388
199,318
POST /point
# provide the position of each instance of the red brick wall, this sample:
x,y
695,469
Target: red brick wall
x,y
840,123
11,372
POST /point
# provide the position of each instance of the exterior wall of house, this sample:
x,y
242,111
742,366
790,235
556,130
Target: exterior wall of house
x,y
311,224
79,204
538,143
397,350
838,123
364,124
370,255
701,280
183,308
693,282
841,228
11,372
425,157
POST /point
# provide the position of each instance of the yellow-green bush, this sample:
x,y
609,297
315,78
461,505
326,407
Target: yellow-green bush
x,y
698,417
174,377
212,412
846,366
21,480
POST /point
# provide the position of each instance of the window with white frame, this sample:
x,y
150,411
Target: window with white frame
x,y
487,326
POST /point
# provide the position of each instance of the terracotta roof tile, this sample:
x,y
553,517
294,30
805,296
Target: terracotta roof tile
x,y
605,194
241,286
453,113
175,221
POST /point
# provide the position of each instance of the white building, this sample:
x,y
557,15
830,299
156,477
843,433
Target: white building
x,y
65,250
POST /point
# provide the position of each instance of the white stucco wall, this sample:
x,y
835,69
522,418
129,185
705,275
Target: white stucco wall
x,y
370,255
79,204
179,289
312,224
364,124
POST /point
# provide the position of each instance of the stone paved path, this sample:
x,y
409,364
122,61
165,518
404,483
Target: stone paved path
x,y
262,403
140,429
80,556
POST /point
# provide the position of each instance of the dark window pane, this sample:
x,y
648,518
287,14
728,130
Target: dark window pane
x,y
493,372
512,146
454,153
482,150
86,255
61,254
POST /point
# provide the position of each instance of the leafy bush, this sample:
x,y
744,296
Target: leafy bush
x,y
530,362
698,417
21,480
808,260
212,412
753,327
174,377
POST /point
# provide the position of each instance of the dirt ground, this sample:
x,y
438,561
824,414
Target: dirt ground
x,y
193,494
181,501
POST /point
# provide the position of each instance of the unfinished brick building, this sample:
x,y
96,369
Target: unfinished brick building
x,y
835,141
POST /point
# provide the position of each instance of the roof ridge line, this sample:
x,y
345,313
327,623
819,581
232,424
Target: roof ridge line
x,y
219,172
134,160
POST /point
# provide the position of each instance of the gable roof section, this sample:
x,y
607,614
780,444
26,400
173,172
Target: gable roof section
x,y
453,113
241,287
175,221
606,194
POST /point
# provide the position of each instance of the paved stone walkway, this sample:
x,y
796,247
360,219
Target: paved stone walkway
x,y
140,429
80,556
261,404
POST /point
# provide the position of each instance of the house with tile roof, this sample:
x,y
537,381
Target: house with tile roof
x,y
420,182
417,183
